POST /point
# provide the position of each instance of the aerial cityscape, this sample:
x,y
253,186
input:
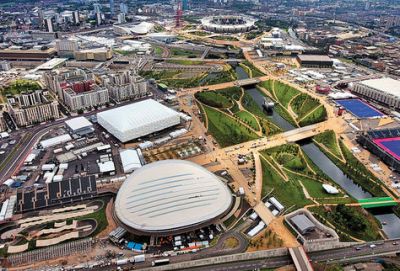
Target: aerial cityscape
x,y
203,135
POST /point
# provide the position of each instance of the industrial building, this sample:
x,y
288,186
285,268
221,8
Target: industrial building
x,y
171,196
95,54
79,126
385,91
314,61
139,119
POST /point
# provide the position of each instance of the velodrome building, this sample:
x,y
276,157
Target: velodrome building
x,y
385,91
171,197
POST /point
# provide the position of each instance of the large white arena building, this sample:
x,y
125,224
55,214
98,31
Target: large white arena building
x,y
228,23
382,90
138,119
171,196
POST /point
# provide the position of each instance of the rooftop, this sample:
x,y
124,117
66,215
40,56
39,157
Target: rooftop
x,y
314,58
387,85
78,123
169,195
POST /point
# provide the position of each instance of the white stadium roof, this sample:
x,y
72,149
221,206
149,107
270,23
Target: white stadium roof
x,y
78,123
171,195
139,119
387,85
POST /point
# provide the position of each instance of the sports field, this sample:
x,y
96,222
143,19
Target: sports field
x,y
359,108
390,145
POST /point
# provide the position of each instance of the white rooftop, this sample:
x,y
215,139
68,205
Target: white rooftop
x,y
171,195
130,160
51,64
387,85
78,123
55,141
107,166
138,119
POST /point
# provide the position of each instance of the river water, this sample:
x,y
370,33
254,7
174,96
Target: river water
x,y
384,215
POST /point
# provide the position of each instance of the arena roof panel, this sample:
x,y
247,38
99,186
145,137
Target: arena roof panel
x,y
138,119
169,195
387,85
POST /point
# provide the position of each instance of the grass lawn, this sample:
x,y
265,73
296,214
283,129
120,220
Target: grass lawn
x,y
288,193
21,85
304,104
101,218
213,99
284,93
251,70
158,51
233,92
227,38
301,103
315,189
351,220
226,130
176,52
316,116
246,117
185,62
200,33
328,139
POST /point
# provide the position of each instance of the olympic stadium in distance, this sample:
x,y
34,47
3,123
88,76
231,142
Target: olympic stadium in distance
x,y
228,23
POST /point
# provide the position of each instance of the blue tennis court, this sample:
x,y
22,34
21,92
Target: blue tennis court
x,y
359,108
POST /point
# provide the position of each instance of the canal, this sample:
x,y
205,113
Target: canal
x,y
390,222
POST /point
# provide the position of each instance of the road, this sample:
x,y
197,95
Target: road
x,y
334,255
21,150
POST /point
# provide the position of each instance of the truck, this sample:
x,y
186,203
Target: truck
x,y
160,262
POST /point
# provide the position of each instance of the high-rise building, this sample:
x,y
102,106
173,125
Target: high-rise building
x,y
76,89
32,107
41,16
123,8
75,17
121,18
97,8
125,85
112,8
98,18
48,24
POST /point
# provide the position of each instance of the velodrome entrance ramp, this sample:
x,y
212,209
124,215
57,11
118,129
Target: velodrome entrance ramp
x,y
300,259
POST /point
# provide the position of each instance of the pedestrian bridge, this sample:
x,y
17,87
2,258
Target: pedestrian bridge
x,y
377,202
300,259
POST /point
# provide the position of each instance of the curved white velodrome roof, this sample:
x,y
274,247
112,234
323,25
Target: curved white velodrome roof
x,y
138,119
169,195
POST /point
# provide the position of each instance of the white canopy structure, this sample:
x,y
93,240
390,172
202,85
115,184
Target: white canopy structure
x,y
130,160
139,119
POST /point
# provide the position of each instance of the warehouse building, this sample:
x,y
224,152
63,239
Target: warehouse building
x,y
314,61
79,126
139,119
170,197
385,91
